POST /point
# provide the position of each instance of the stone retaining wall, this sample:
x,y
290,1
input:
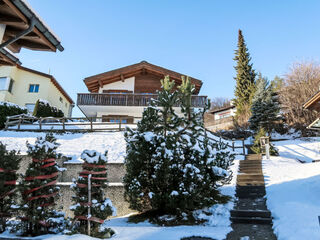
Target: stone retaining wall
x,y
115,190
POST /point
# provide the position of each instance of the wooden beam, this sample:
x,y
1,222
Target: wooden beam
x,y
100,83
16,11
8,20
32,45
122,78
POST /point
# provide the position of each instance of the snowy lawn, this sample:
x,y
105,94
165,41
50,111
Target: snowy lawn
x,y
217,227
293,190
302,149
72,145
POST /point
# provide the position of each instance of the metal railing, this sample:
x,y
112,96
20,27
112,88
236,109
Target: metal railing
x,y
128,99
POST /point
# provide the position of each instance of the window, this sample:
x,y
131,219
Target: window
x,y
30,107
34,88
3,83
10,86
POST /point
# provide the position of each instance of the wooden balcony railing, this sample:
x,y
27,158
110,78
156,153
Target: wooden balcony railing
x,y
127,99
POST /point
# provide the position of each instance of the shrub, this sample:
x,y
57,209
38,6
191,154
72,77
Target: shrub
x,y
44,109
9,109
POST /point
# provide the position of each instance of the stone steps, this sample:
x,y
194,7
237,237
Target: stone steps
x,y
252,220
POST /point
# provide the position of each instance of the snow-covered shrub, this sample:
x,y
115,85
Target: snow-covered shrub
x,y
172,166
100,207
9,109
38,188
44,109
9,164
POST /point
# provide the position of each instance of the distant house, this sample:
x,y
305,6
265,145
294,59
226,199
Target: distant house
x,y
313,104
21,27
24,86
125,92
220,119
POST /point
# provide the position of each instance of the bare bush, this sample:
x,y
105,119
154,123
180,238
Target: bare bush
x,y
300,83
219,102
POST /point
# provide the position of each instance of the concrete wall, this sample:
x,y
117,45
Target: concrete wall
x,y
20,95
115,190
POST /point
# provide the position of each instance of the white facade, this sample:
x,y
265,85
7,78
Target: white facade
x,y
225,113
126,84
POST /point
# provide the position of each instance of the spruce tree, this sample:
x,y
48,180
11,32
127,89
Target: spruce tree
x,y
172,166
100,207
245,79
38,188
9,164
265,107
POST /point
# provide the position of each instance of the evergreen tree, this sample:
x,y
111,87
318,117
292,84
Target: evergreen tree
x,y
38,188
265,107
9,164
100,207
172,166
245,79
257,146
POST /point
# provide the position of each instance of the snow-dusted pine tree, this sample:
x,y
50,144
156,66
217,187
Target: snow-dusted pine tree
x,y
265,106
101,208
9,164
38,188
172,166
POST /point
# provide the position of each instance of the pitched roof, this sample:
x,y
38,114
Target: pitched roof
x,y
53,80
95,81
8,58
222,109
17,16
313,103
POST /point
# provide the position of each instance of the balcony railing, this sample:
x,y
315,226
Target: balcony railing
x,y
128,99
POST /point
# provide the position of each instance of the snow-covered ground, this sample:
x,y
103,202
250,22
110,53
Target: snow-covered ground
x,y
217,227
293,189
302,149
72,145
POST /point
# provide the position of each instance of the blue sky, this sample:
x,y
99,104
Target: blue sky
x,y
196,38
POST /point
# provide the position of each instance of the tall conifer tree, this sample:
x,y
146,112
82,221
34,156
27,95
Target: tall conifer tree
x,y
245,79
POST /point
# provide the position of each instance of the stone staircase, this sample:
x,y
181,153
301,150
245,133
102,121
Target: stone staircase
x,y
250,216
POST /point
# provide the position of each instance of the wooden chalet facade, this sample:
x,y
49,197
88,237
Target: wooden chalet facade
x,y
313,104
125,92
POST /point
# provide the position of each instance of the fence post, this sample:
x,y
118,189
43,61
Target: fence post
x,y
40,123
63,126
233,144
19,123
243,147
89,203
120,124
7,123
91,127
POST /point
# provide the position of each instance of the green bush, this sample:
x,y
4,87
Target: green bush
x,y
257,146
44,109
9,109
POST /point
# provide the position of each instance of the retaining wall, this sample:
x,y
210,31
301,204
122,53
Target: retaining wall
x,y
114,191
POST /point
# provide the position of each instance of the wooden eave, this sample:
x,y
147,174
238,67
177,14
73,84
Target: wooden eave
x,y
313,103
53,80
17,15
7,59
143,67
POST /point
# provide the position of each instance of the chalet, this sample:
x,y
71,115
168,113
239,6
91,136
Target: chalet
x,y
125,92
220,119
313,104
21,27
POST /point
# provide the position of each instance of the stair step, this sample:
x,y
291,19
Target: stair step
x,y
254,220
250,213
250,195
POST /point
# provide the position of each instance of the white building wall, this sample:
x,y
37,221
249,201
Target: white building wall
x,y
126,84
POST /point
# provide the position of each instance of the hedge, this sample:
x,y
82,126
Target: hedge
x,y
9,109
44,109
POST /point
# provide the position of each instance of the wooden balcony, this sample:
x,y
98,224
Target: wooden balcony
x,y
127,99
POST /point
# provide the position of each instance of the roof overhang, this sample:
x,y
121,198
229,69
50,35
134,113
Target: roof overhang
x,y
17,15
313,103
94,82
315,125
7,58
